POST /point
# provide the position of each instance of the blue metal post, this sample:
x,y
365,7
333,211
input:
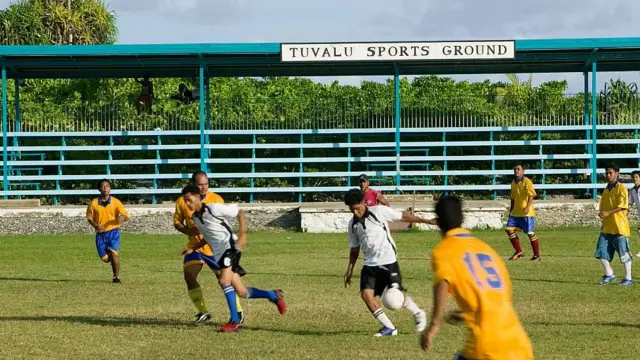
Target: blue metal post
x,y
5,167
540,152
594,130
493,165
207,94
110,155
17,121
203,154
396,84
444,154
156,169
253,167
586,116
349,163
635,136
301,168
63,144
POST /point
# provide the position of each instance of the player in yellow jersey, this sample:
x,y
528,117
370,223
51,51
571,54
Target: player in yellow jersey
x,y
615,231
473,273
105,213
194,262
522,214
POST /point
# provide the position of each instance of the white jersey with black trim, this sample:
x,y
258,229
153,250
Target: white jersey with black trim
x,y
213,223
371,234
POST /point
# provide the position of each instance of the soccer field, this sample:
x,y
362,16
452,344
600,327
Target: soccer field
x,y
57,301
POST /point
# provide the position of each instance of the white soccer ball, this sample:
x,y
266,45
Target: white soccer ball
x,y
392,298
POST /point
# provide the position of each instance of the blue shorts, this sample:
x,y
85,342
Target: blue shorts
x,y
198,257
108,241
526,223
608,244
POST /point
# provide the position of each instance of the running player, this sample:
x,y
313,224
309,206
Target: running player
x,y
635,199
105,213
368,230
522,214
615,230
194,262
472,272
212,222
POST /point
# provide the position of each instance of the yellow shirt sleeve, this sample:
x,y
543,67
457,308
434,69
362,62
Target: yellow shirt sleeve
x,y
528,185
90,211
178,215
441,269
623,197
120,210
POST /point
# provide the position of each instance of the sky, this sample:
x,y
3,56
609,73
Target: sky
x,y
209,21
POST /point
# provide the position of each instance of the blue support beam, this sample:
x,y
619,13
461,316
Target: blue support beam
x,y
594,130
18,119
203,153
207,101
301,166
253,167
5,160
396,84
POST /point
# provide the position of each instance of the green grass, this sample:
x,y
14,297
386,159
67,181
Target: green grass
x,y
57,301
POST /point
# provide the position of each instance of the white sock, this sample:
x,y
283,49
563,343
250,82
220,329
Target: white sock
x,y
627,270
382,317
410,305
607,267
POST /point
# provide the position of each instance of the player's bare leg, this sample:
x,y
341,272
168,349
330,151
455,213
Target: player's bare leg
x,y
535,246
114,259
515,242
388,328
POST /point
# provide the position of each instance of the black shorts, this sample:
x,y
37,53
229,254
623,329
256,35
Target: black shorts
x,y
380,277
231,259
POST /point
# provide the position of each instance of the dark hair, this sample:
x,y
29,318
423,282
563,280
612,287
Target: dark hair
x,y
449,213
353,197
612,166
102,182
198,173
191,189
635,172
519,164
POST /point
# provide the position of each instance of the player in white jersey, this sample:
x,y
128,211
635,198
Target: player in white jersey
x,y
368,231
212,221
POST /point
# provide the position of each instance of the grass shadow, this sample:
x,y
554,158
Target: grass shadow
x,y
129,322
611,324
554,281
4,278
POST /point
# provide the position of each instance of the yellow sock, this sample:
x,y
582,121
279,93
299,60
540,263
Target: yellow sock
x,y
197,297
238,303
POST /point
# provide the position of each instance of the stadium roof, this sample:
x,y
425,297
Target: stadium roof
x,y
264,59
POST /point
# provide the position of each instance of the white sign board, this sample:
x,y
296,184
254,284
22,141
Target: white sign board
x,y
402,51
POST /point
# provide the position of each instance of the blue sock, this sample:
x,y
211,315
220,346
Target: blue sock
x,y
230,294
255,293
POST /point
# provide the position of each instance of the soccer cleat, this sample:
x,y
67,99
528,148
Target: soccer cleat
x,y
626,282
536,258
638,254
282,306
385,331
231,327
202,318
421,321
116,280
607,279
517,255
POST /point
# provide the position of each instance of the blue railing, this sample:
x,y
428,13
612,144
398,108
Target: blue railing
x,y
441,162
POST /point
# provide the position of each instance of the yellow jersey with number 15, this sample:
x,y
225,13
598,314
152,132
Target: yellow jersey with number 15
x,y
479,281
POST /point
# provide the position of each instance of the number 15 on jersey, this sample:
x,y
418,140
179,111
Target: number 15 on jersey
x,y
481,267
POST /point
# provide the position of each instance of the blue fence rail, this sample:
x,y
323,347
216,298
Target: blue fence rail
x,y
429,160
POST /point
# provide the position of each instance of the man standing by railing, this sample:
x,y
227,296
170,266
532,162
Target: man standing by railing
x,y
522,214
194,261
371,196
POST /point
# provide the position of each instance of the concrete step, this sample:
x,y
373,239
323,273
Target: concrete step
x,y
19,204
